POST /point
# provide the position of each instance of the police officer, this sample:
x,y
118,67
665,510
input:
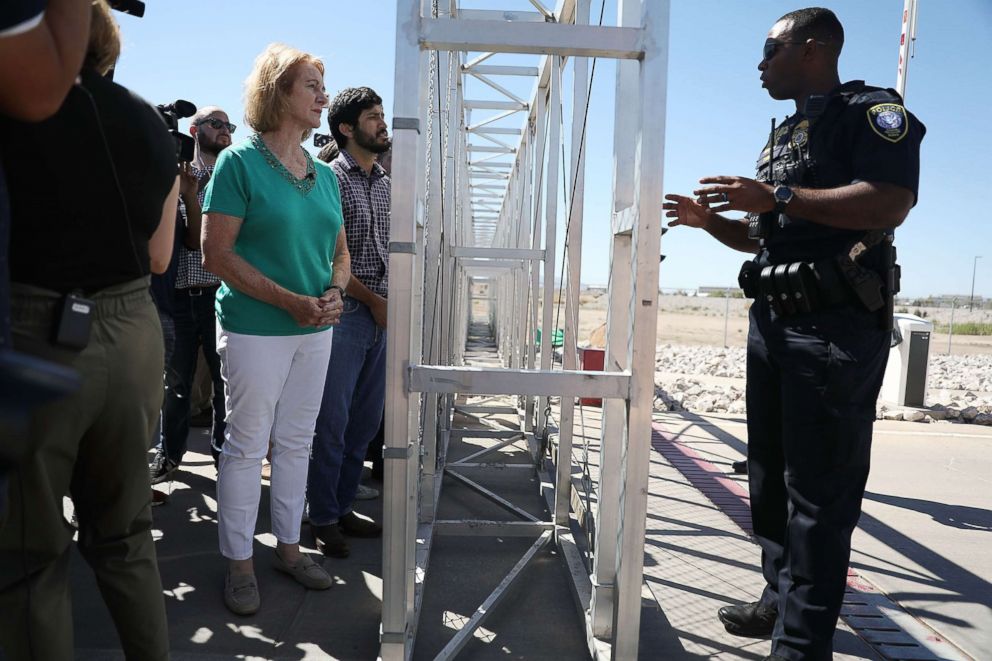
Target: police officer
x,y
832,182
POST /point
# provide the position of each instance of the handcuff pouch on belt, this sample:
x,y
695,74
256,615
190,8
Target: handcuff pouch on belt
x,y
802,287
759,225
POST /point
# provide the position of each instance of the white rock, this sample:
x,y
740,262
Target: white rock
x,y
892,415
913,415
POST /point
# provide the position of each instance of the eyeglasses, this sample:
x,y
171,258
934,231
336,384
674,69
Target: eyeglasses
x,y
772,46
217,124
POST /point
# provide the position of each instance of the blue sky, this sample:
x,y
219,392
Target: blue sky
x,y
717,114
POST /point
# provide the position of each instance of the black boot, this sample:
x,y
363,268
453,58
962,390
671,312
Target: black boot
x,y
330,541
753,620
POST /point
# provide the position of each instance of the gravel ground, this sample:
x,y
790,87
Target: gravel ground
x,y
705,379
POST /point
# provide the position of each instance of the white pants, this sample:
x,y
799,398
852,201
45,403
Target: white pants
x,y
273,387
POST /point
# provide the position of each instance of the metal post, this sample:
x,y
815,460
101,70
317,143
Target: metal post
x,y
950,329
906,39
397,550
540,118
974,269
551,224
573,241
726,316
613,434
653,83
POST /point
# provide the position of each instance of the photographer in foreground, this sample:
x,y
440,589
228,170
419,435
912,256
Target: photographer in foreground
x,y
93,202
41,49
832,181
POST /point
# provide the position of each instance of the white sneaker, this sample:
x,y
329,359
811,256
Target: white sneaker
x,y
366,493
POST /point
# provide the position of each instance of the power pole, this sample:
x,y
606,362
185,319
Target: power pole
x,y
974,267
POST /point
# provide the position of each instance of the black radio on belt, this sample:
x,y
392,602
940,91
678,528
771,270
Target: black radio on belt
x,y
73,321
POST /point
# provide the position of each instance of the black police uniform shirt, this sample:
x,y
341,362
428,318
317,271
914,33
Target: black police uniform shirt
x,y
862,134
87,187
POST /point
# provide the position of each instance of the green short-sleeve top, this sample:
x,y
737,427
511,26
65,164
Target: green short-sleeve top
x,y
287,234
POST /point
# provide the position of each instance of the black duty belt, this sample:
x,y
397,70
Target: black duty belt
x,y
801,287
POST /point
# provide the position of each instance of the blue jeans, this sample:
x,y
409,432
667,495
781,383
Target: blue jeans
x,y
350,411
195,322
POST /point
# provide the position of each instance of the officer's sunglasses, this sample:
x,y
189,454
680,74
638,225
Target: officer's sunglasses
x,y
217,124
772,47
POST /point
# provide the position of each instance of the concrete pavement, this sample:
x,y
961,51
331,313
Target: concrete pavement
x,y
922,543
924,536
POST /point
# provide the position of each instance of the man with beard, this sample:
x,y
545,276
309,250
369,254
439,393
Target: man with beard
x,y
193,304
356,376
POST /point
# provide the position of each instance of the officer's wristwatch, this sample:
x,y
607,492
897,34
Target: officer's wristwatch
x,y
783,195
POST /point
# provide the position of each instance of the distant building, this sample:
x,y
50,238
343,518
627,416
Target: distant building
x,y
735,292
945,300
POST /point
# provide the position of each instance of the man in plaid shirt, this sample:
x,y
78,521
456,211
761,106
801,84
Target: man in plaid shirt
x,y
193,313
356,376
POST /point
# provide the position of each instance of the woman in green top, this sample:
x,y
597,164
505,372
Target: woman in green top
x,y
272,232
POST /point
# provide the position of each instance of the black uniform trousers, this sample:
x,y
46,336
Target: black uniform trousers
x,y
812,382
196,327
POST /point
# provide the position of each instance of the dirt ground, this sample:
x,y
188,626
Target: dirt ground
x,y
718,321
711,321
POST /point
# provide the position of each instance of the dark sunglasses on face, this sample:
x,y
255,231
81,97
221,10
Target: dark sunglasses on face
x,y
772,47
217,124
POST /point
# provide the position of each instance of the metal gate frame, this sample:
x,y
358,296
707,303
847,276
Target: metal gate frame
x,y
468,218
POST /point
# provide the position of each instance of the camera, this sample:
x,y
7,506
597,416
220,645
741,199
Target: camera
x,y
172,113
133,7
321,140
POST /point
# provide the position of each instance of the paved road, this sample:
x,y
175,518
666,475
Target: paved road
x,y
925,536
926,530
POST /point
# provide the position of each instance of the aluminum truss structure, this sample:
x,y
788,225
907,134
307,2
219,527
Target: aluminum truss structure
x,y
475,217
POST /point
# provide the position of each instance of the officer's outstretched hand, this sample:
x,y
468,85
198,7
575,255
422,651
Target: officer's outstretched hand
x,y
735,194
685,211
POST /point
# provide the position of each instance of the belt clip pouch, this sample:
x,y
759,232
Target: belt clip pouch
x,y
803,285
759,225
766,283
781,279
747,279
73,322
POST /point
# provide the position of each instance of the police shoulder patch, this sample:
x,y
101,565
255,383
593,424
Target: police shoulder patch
x,y
889,121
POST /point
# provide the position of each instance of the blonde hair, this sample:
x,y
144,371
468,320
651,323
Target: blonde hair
x,y
105,40
268,84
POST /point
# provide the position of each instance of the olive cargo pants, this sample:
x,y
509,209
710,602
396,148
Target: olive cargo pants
x,y
91,445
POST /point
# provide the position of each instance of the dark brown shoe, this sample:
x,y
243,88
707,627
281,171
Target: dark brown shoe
x,y
330,541
359,526
752,620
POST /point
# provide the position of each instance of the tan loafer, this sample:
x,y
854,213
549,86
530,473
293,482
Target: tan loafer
x,y
306,572
241,594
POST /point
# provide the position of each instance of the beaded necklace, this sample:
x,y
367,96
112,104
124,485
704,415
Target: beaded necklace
x,y
304,185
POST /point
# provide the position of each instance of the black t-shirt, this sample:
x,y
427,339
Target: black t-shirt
x,y
87,188
863,134
14,14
